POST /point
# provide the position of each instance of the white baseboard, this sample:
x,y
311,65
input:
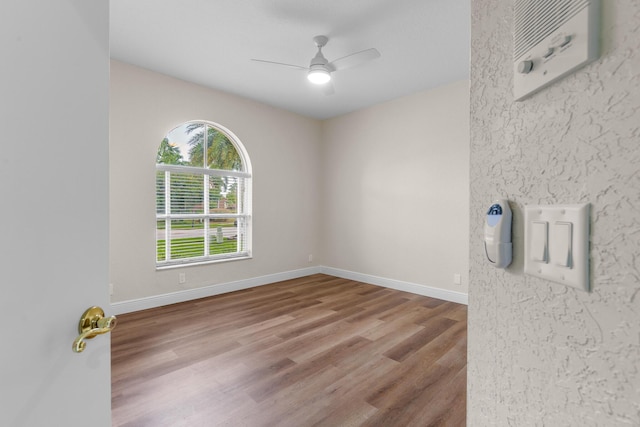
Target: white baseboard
x,y
207,291
221,288
428,291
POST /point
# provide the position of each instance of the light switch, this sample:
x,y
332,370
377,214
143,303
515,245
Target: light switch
x,y
539,241
561,246
557,244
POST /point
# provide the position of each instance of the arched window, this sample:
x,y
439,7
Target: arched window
x,y
203,196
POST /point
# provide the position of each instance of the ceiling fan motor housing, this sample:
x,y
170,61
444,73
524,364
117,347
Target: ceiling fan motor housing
x,y
319,60
319,72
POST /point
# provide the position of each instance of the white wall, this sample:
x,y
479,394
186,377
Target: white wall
x,y
283,147
54,97
395,182
541,353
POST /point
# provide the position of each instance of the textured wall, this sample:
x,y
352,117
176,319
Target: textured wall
x,y
540,353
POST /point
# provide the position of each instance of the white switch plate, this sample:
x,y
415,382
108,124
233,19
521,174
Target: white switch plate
x,y
457,279
575,252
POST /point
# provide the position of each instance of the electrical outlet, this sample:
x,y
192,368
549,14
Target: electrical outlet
x,y
457,279
182,278
310,258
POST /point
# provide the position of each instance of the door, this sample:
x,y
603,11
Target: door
x,y
54,78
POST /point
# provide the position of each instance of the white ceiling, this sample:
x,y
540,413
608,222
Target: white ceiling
x,y
423,43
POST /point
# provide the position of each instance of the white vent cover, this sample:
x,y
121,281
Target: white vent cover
x,y
551,38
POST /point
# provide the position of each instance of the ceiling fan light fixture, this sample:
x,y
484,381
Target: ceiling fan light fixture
x,y
318,75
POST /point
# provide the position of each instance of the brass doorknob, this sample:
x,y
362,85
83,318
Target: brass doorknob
x,y
92,323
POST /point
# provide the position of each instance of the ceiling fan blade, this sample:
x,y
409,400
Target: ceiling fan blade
x,y
354,59
280,63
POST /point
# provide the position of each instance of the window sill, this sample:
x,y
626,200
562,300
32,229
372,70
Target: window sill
x,y
203,262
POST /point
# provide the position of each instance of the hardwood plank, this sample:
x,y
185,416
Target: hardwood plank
x,y
313,351
431,331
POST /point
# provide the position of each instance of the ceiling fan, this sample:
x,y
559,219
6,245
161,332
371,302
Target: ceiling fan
x,y
319,70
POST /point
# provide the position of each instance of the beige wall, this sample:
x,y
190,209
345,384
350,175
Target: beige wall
x,y
284,151
382,192
540,353
395,182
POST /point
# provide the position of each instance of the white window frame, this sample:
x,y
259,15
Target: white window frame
x,y
242,215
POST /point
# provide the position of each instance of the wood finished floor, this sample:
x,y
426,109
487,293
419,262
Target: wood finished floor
x,y
314,351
